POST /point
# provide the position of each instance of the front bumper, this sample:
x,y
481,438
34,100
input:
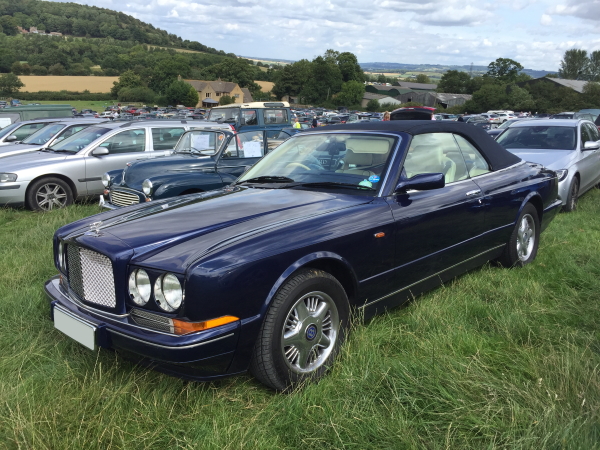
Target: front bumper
x,y
13,194
199,356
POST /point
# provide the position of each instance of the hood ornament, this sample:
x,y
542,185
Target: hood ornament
x,y
95,229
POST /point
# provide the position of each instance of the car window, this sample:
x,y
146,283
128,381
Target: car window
x,y
276,116
79,140
43,135
249,116
593,132
200,141
129,141
165,138
249,144
539,136
435,153
70,131
27,130
476,164
276,137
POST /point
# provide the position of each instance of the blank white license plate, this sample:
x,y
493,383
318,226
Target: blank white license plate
x,y
76,329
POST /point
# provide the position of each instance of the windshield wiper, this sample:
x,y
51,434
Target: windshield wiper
x,y
267,179
333,184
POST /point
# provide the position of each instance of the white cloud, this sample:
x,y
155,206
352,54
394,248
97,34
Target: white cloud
x,y
546,19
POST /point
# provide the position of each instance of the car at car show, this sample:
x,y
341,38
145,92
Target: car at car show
x,y
47,135
262,275
55,176
571,147
202,160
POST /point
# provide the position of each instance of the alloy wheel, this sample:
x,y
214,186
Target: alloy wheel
x,y
50,196
525,237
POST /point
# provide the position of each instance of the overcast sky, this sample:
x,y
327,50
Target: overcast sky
x,y
535,33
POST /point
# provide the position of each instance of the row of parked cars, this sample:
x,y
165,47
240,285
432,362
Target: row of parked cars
x,y
261,270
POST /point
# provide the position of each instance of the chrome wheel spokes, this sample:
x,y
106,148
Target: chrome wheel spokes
x,y
525,237
50,196
310,332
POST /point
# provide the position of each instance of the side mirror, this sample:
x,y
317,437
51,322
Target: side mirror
x,y
591,145
11,138
100,151
421,182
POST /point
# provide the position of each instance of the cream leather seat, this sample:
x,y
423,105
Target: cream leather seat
x,y
363,155
429,159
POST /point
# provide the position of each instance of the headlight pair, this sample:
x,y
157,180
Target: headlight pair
x,y
167,290
8,177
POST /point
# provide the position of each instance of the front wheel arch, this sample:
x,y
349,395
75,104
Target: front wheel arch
x,y
50,175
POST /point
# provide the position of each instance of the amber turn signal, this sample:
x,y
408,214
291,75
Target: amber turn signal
x,y
183,327
380,234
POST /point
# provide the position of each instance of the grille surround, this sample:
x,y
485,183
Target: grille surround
x,y
123,198
91,276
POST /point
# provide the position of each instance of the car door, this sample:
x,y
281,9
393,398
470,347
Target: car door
x,y
241,152
589,160
435,229
123,147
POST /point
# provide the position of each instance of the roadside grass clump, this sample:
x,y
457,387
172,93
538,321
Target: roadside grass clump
x,y
497,358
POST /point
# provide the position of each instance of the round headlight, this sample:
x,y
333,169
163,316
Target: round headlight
x,y
139,287
147,187
106,180
168,292
61,256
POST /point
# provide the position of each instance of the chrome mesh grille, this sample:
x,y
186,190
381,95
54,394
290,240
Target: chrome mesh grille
x,y
91,276
121,198
150,320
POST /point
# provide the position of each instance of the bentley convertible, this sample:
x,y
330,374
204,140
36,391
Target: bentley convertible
x,y
263,274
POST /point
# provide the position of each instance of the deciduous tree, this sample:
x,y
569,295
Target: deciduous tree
x,y
504,70
574,65
10,84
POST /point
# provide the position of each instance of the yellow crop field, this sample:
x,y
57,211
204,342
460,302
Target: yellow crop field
x,y
34,83
265,86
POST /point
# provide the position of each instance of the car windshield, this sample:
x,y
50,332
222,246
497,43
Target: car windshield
x,y
225,114
197,141
79,140
6,130
546,137
43,135
325,161
508,123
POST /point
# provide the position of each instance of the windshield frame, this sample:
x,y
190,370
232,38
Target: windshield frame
x,y
217,152
391,162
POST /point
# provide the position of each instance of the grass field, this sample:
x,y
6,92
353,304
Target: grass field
x,y
79,104
495,359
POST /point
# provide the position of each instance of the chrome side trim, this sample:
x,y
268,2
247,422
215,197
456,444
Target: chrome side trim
x,y
170,347
430,276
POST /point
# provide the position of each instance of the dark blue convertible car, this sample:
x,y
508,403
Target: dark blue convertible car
x,y
264,273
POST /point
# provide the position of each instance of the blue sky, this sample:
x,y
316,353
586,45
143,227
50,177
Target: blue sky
x,y
535,33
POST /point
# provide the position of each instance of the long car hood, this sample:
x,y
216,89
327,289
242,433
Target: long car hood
x,y
27,160
170,234
15,149
137,172
552,159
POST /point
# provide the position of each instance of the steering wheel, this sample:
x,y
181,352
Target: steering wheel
x,y
296,164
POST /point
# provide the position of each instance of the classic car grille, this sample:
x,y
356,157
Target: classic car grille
x,y
91,276
121,198
150,320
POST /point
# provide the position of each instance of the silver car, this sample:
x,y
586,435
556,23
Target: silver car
x,y
571,147
18,131
48,135
53,177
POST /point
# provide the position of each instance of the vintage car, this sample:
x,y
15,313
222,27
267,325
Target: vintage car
x,y
263,274
203,160
571,147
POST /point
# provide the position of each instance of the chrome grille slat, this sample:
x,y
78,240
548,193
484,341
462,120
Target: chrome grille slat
x,y
91,276
150,320
121,198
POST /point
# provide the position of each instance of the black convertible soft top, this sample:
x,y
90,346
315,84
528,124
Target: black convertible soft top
x,y
494,153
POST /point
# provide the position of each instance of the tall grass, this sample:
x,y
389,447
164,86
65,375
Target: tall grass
x,y
495,359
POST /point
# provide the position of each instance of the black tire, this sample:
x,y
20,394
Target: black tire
x,y
571,204
514,253
49,193
278,365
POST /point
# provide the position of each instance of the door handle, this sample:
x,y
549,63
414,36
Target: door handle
x,y
473,193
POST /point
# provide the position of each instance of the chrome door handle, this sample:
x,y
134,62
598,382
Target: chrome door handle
x,y
473,193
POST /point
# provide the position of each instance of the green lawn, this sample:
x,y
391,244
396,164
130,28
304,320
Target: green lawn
x,y
98,106
496,359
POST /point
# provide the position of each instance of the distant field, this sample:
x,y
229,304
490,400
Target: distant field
x,y
266,86
79,104
35,83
